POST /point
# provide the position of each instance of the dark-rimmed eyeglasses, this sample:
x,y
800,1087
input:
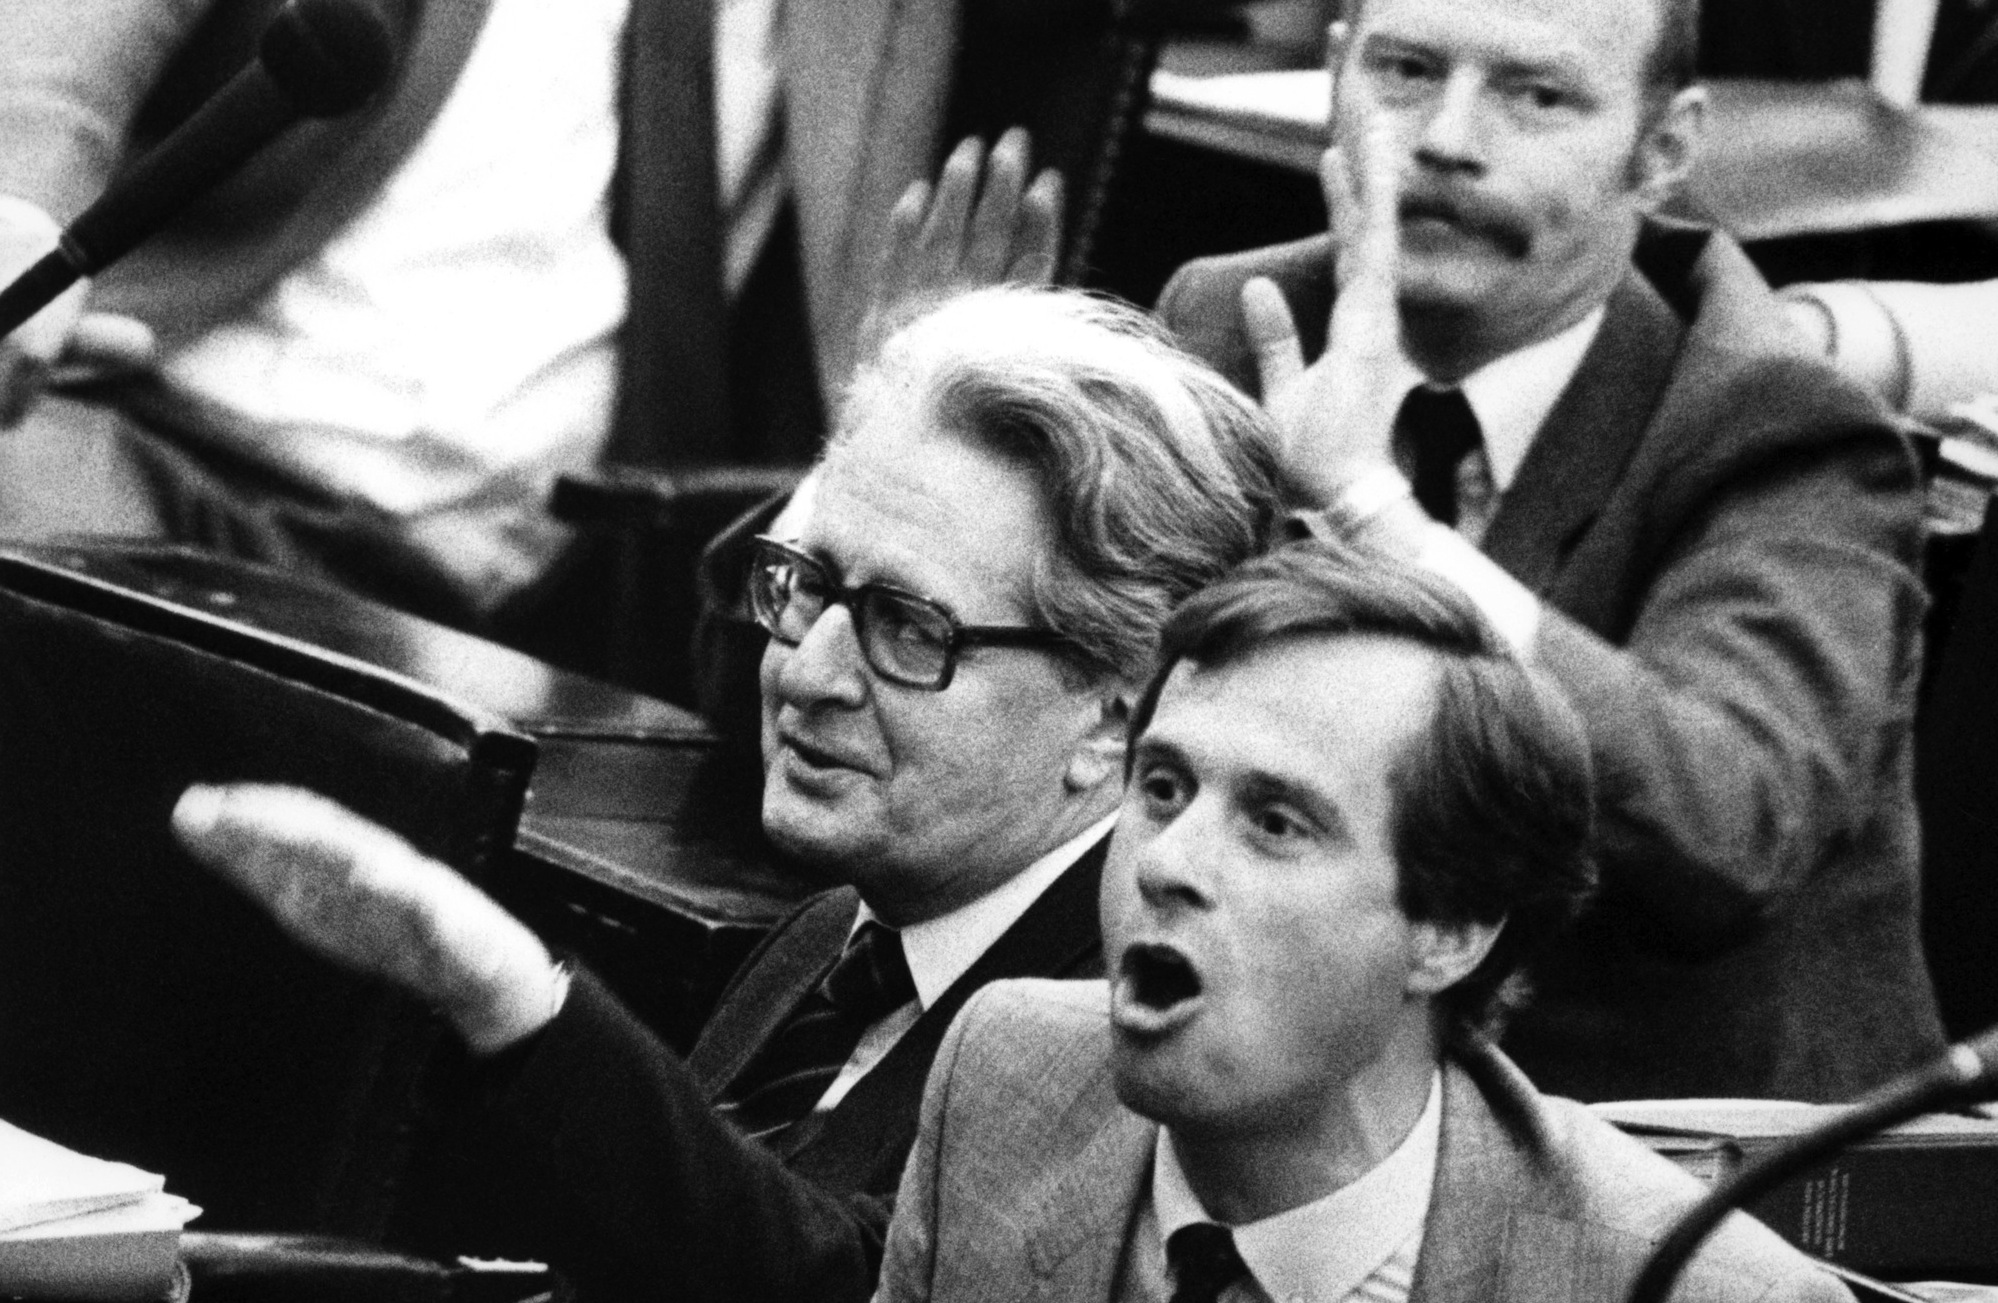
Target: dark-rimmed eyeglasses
x,y
906,639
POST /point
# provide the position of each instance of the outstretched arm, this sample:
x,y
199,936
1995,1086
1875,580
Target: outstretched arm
x,y
645,1192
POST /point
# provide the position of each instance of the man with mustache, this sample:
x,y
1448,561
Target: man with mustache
x,y
1351,816
1021,487
1610,437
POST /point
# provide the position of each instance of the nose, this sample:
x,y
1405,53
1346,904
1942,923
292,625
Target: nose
x,y
1449,136
1174,864
826,667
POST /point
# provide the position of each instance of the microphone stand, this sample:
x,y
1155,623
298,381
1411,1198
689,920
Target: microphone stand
x,y
316,59
1962,1074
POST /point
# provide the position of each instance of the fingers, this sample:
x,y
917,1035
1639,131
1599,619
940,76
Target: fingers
x,y
1272,334
1362,187
940,245
362,896
1037,243
108,343
989,248
334,880
21,380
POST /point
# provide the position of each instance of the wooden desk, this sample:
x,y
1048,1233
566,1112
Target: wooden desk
x,y
640,847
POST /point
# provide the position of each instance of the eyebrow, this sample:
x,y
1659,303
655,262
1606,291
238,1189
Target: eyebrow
x,y
1260,787
1377,43
1256,786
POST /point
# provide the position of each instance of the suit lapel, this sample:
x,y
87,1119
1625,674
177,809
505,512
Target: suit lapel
x,y
670,228
864,88
1498,1229
1057,937
771,984
1077,1233
1589,438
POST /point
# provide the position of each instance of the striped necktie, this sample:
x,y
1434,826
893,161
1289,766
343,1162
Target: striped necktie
x,y
780,1085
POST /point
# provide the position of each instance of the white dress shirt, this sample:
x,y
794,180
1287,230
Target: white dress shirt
x,y
941,950
1358,1244
453,350
1512,397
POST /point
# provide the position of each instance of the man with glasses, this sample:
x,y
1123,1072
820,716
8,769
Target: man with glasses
x,y
1022,487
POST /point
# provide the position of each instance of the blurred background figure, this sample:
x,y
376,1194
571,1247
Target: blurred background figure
x,y
616,228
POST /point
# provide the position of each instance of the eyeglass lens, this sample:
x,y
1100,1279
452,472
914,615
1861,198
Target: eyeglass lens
x,y
904,638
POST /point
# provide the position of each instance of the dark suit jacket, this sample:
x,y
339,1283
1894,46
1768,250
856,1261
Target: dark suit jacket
x,y
1727,538
651,1195
1536,1200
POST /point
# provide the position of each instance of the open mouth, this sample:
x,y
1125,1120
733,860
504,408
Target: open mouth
x,y
1157,989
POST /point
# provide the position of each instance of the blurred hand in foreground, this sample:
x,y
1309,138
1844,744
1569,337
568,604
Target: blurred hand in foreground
x,y
363,897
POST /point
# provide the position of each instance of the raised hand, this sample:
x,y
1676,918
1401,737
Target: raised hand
x,y
363,897
1337,414
982,223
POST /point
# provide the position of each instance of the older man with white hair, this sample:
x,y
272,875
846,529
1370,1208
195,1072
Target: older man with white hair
x,y
1023,485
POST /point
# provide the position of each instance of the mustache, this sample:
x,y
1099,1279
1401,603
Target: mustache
x,y
1486,219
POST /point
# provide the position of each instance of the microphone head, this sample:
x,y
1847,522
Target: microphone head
x,y
328,56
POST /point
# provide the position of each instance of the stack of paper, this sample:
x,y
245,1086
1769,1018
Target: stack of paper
x,y
76,1227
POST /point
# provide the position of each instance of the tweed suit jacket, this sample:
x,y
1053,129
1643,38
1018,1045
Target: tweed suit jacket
x,y
1028,1176
651,1195
1726,537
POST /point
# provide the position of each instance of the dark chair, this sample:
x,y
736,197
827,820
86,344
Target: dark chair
x,y
640,847
148,1012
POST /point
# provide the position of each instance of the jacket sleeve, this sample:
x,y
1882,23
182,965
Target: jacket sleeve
x,y
72,78
1757,713
646,1194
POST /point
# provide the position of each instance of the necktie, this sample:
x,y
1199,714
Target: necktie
x,y
781,1084
1204,1262
1437,427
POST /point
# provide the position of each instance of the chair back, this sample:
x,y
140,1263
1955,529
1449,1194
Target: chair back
x,y
148,1013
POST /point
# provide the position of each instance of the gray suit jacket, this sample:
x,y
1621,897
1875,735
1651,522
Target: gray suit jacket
x,y
1536,1200
1727,539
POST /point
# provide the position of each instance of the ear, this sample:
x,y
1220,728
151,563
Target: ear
x,y
1440,955
1099,753
1669,146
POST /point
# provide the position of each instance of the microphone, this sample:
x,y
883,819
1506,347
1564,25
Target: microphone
x,y
1967,1072
317,59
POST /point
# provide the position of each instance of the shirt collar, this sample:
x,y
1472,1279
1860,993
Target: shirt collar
x,y
939,950
1514,395
1324,1250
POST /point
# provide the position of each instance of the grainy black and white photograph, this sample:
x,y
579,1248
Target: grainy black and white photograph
x,y
984,651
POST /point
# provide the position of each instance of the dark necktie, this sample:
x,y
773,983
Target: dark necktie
x,y
1437,427
781,1084
1204,1262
